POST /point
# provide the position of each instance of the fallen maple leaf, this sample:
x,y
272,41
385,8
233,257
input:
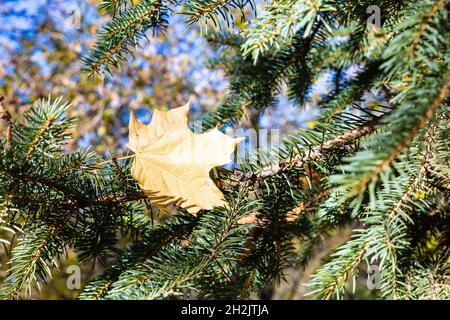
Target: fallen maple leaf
x,y
172,163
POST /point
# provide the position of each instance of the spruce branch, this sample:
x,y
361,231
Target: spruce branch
x,y
366,179
118,37
31,262
315,154
151,243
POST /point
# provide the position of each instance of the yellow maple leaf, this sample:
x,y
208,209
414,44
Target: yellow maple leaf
x,y
172,164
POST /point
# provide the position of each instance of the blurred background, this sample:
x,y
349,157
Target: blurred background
x,y
41,45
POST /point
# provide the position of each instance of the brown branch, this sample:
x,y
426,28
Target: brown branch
x,y
424,173
315,154
178,232
44,181
106,200
365,180
78,199
39,136
423,27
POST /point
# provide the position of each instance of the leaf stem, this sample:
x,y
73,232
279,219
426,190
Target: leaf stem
x,y
120,158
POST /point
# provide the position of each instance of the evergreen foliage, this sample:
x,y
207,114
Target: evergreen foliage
x,y
380,166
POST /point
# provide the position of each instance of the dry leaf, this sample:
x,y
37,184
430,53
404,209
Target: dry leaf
x,y
172,163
